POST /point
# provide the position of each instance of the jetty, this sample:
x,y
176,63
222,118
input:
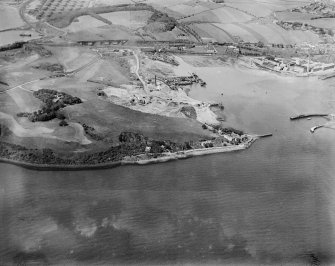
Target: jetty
x,y
315,128
307,116
265,135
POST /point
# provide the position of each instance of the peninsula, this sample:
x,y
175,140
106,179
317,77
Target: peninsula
x,y
77,77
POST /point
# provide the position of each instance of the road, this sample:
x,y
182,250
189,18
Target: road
x,y
23,17
20,86
137,72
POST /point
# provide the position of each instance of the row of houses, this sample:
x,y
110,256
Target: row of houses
x,y
294,65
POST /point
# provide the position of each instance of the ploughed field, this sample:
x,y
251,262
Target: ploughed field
x,y
224,22
250,21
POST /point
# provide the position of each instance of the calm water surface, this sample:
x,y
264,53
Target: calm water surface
x,y
273,203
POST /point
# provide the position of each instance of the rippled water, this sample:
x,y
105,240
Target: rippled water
x,y
273,203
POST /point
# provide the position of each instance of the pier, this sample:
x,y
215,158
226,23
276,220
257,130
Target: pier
x,y
307,116
265,135
315,128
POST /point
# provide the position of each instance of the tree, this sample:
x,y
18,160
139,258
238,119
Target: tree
x,y
63,123
60,116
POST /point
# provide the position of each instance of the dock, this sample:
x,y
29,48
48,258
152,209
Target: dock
x,y
307,116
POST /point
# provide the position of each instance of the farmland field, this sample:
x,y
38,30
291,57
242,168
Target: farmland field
x,y
306,18
46,8
212,31
186,10
261,8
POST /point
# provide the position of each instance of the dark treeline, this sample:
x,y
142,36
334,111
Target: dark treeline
x,y
131,144
169,22
53,101
12,46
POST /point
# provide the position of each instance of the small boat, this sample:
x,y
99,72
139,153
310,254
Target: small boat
x,y
309,118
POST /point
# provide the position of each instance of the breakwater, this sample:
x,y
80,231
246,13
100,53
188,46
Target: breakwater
x,y
315,128
265,135
307,116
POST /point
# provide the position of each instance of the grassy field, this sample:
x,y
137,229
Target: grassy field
x,y
185,10
109,32
24,100
113,70
112,119
212,31
9,17
73,57
84,23
129,19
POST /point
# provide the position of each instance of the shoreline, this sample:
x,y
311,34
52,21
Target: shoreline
x,y
132,161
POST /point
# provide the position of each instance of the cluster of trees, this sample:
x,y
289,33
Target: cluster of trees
x,y
189,111
132,137
61,98
31,47
226,130
90,131
229,130
53,102
20,153
169,22
51,67
156,146
12,46
209,145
